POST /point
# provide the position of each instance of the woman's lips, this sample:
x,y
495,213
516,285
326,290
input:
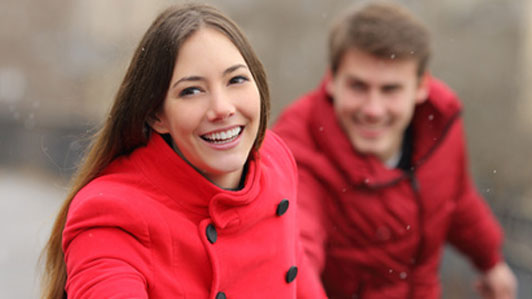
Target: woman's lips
x,y
223,139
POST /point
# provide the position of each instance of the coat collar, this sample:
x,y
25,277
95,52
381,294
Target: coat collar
x,y
172,175
431,121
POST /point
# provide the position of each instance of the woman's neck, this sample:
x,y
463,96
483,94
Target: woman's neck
x,y
228,181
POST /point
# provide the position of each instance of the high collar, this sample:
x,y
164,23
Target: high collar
x,y
183,184
430,122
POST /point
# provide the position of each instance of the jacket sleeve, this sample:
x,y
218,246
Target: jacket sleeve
x,y
312,220
106,249
474,229
309,285
311,243
308,282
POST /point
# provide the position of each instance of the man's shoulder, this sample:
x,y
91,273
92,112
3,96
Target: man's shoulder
x,y
297,111
294,124
295,120
443,97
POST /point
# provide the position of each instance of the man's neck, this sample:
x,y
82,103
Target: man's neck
x,y
407,149
393,161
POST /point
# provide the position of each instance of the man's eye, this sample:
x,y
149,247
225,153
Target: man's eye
x,y
238,80
390,89
357,86
189,91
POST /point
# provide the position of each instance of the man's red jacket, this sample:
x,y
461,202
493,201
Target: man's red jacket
x,y
374,232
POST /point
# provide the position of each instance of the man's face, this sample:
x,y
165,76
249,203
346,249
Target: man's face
x,y
374,100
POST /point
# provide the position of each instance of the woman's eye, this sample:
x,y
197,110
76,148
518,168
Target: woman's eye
x,y
189,91
238,80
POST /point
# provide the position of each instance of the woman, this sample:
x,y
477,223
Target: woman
x,y
184,193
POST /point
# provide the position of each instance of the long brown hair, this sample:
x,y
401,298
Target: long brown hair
x,y
139,97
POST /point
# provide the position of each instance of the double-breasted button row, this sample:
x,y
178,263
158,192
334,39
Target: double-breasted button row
x,y
291,274
212,235
282,207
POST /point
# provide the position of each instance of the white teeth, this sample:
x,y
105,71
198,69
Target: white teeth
x,y
225,136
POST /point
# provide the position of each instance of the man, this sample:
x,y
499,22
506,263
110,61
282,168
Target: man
x,y
384,179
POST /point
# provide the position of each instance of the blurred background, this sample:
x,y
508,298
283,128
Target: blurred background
x,y
61,62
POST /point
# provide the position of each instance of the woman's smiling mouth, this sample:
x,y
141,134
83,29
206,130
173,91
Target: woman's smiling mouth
x,y
225,136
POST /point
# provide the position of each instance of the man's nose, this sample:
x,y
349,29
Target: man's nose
x,y
374,106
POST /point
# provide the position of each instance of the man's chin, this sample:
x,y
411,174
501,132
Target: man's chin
x,y
370,147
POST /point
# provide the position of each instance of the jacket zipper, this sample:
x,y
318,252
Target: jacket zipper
x,y
414,183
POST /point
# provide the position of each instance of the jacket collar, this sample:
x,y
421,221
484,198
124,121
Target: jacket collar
x,y
172,175
431,121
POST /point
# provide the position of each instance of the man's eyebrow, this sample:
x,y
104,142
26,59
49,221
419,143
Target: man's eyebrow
x,y
353,77
356,79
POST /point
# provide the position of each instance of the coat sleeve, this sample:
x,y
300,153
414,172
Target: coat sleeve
x,y
311,243
312,221
474,229
292,127
308,282
106,249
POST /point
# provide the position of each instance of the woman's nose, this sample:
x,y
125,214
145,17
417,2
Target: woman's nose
x,y
221,106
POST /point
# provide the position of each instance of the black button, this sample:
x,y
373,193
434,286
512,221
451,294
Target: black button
x,y
221,295
212,235
291,274
282,207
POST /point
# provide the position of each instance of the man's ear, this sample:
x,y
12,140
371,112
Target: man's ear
x,y
423,88
158,125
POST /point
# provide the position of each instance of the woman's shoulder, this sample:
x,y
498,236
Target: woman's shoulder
x,y
115,184
103,193
110,200
274,145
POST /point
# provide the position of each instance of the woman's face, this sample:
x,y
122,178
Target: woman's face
x,y
212,107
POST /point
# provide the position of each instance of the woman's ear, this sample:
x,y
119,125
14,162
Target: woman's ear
x,y
423,88
158,124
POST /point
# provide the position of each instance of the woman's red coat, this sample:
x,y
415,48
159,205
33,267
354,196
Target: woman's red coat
x,y
139,230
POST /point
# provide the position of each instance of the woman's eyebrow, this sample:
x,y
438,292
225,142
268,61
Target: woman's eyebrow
x,y
199,78
188,78
234,68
